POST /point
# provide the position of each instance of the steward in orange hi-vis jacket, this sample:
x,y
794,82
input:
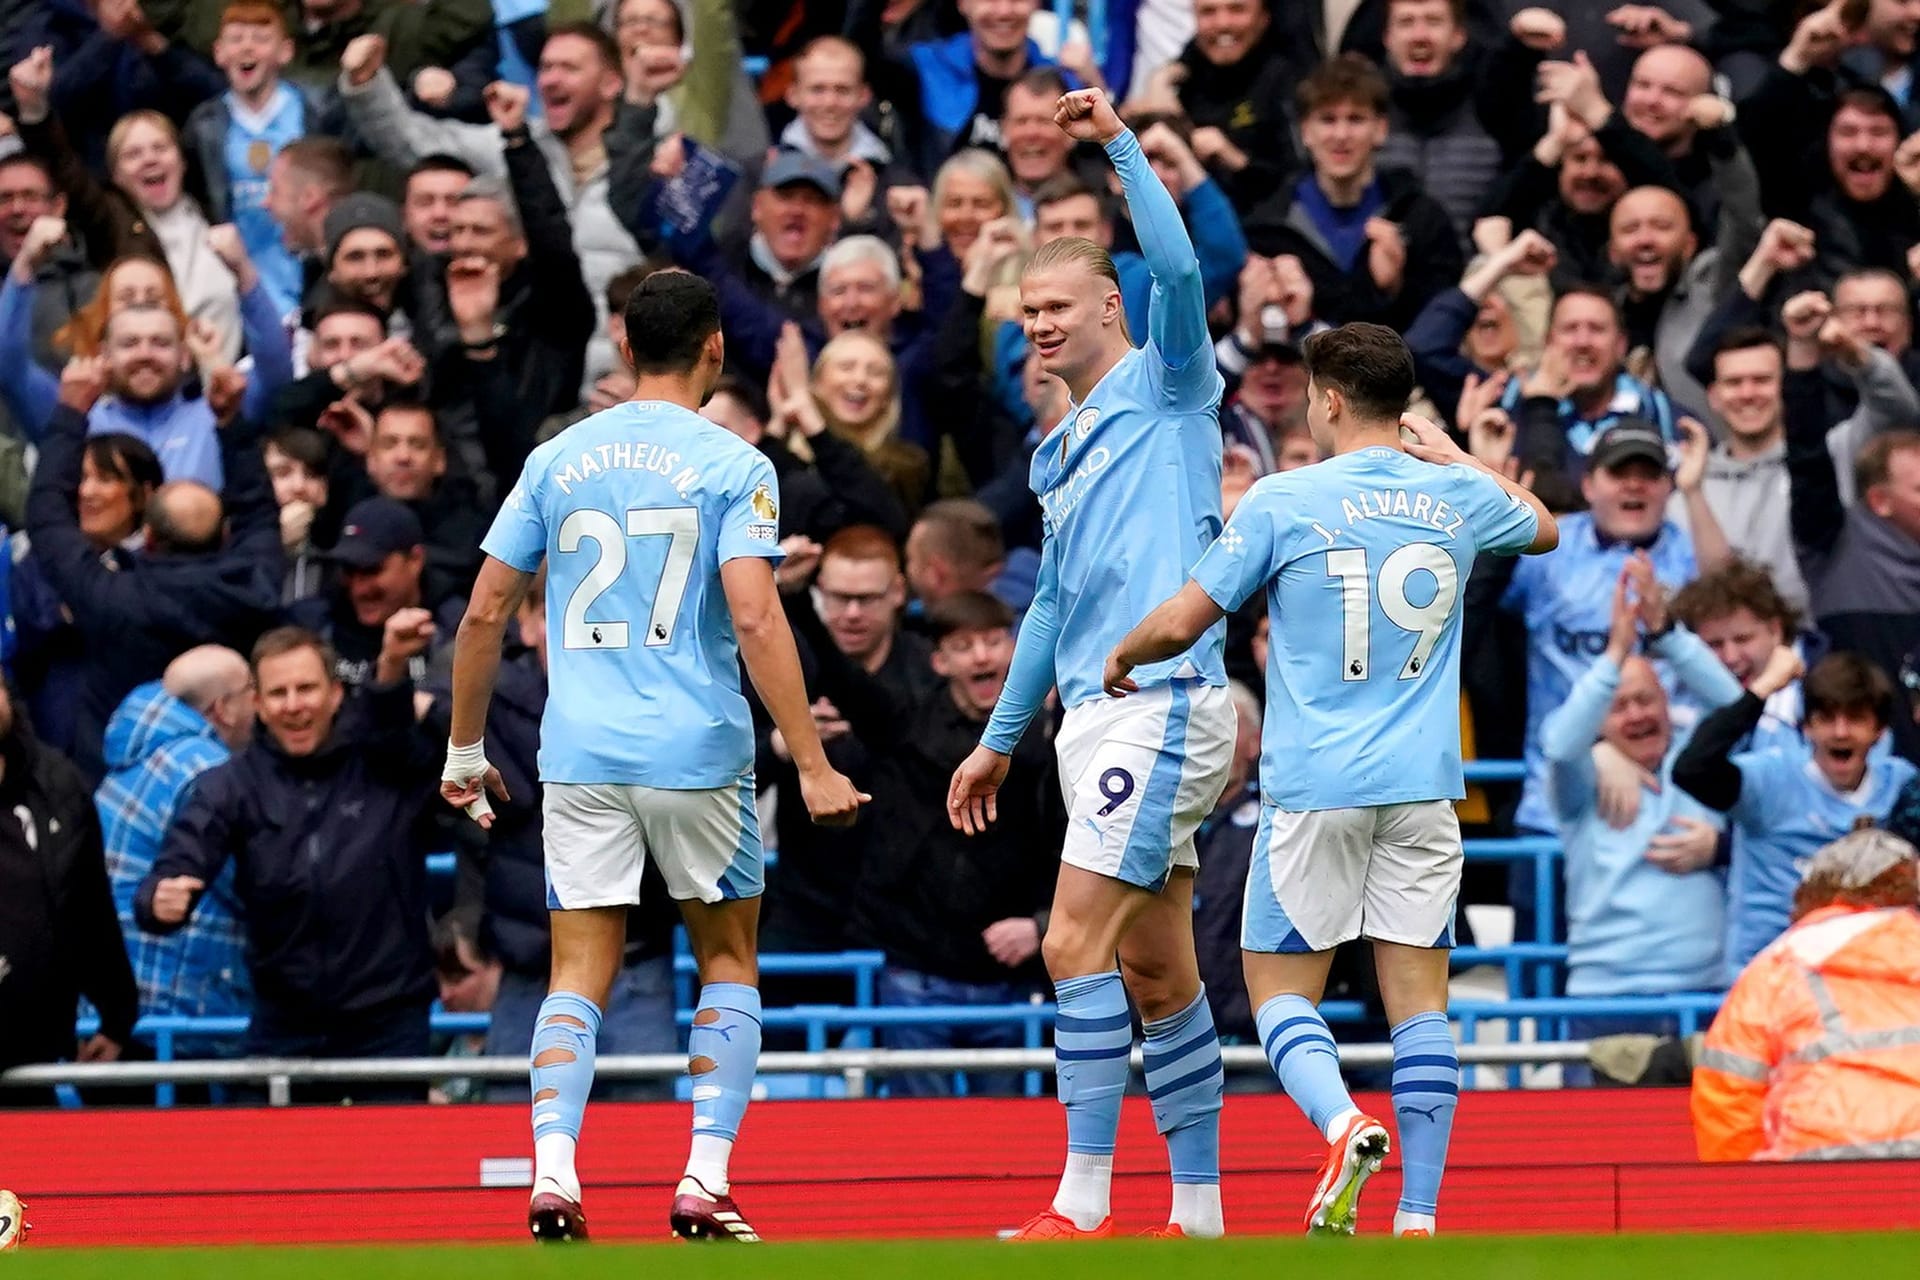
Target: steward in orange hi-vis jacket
x,y
1816,1053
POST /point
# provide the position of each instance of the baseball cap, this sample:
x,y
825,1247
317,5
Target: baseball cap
x,y
374,529
1858,858
789,167
1627,439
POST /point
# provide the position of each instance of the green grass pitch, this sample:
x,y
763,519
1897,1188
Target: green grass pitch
x,y
1697,1257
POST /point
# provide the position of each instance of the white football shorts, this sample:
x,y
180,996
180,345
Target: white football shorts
x,y
1139,774
598,838
1388,872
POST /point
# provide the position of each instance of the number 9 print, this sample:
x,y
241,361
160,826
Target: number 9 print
x,y
1117,786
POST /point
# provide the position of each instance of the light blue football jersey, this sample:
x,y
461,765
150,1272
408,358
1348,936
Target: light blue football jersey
x,y
252,141
1129,485
1566,599
1365,559
1787,812
635,510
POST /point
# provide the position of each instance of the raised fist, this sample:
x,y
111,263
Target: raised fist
x,y
434,86
363,58
32,82
1086,115
507,105
82,382
1541,30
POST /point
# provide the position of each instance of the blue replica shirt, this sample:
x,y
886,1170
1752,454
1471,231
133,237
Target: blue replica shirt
x,y
1634,928
635,510
1786,813
1566,600
1129,486
253,140
1365,558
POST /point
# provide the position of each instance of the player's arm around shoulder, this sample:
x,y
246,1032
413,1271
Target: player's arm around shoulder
x,y
1240,561
1501,524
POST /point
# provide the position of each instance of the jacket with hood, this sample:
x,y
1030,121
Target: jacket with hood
x,y
157,747
1434,261
331,881
57,927
934,89
401,136
1816,1053
1435,133
1251,102
154,606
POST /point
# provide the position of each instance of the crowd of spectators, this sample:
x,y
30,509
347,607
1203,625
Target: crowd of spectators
x,y
292,288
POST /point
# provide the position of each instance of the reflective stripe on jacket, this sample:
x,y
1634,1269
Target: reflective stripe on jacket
x,y
1816,1053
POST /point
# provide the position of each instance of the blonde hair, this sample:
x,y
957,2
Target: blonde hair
x,y
972,163
117,136
1078,251
878,432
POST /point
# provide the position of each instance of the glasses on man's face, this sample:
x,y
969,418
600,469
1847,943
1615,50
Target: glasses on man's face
x,y
1879,310
844,601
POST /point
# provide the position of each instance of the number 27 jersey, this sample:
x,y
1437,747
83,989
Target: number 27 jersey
x,y
635,509
1367,556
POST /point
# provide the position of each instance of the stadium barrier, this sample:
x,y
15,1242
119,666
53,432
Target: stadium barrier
x,y
855,1066
1548,1016
1587,1160
1531,1013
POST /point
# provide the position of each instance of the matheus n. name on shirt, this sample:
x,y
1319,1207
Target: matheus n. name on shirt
x,y
635,510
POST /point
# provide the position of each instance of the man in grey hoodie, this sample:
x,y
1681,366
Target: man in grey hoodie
x,y
580,81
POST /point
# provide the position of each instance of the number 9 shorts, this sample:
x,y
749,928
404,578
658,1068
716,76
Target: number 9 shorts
x,y
1139,774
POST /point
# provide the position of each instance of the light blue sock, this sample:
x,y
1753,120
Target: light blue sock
x,y
1426,1089
560,1088
1303,1055
1092,1040
731,1042
1185,1082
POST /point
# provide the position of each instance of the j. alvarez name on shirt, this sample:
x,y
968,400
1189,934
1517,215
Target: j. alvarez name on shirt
x,y
626,456
1419,506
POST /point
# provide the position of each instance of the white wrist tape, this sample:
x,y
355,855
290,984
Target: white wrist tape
x,y
467,766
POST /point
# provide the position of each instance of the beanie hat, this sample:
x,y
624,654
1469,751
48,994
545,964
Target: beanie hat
x,y
358,210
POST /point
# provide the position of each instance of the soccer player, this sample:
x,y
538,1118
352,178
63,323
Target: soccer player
x,y
1364,558
1129,487
659,532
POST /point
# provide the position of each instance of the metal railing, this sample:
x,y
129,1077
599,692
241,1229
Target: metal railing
x,y
855,1067
1529,969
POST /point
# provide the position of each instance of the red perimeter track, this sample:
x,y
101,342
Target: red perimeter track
x,y
1578,1161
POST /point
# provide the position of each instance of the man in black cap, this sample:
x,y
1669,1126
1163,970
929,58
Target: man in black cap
x,y
775,275
381,559
1564,599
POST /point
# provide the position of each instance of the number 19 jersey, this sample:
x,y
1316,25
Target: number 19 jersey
x,y
635,509
1365,558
